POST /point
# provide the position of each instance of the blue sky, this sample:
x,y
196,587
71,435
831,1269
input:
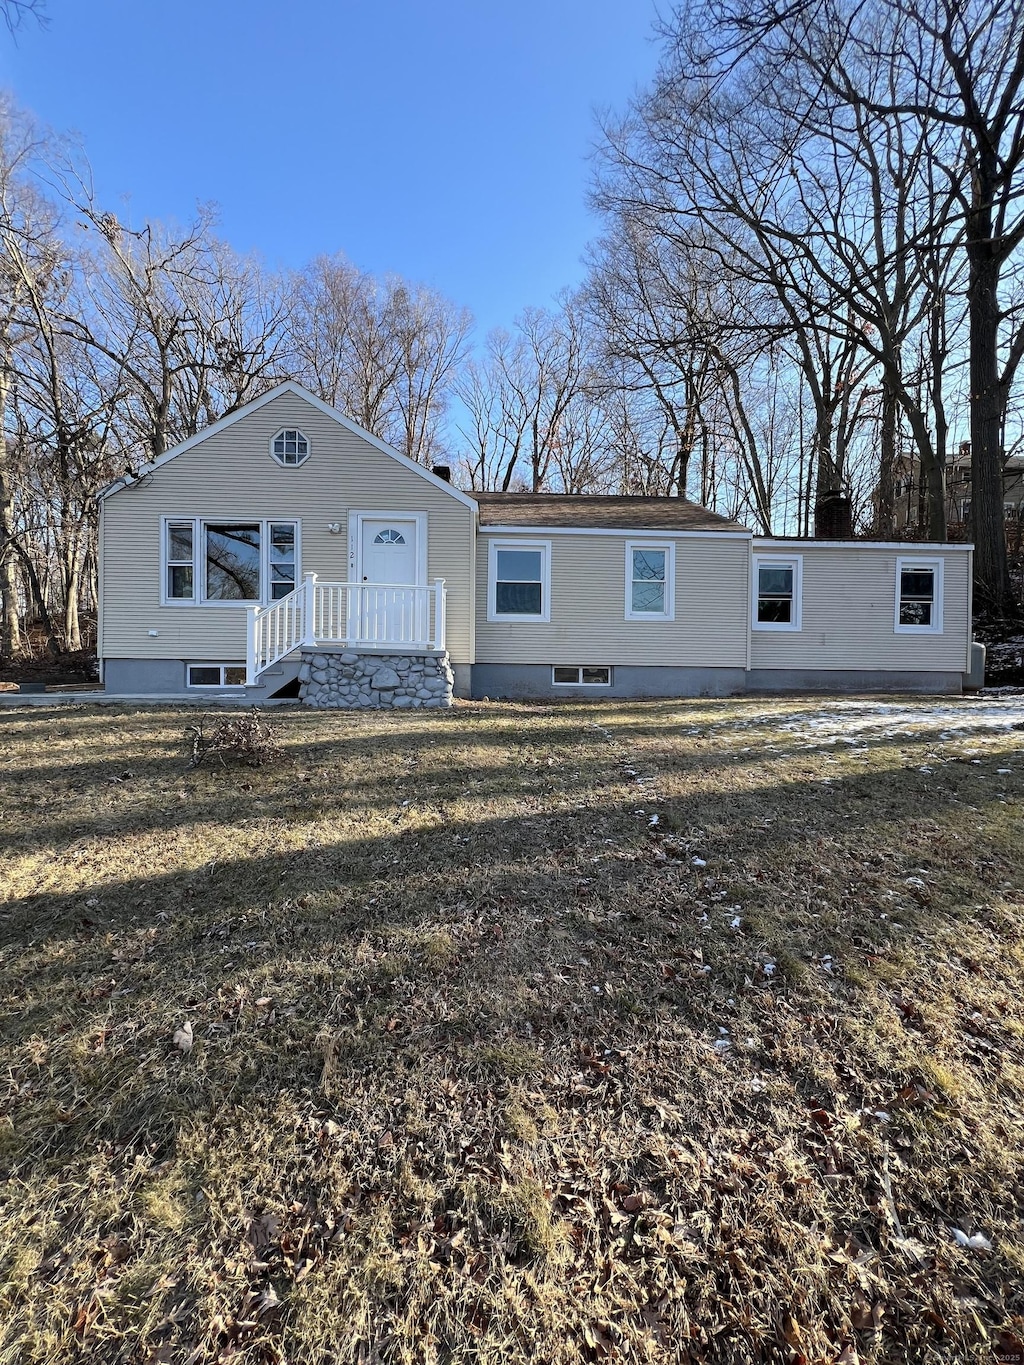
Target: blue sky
x,y
447,141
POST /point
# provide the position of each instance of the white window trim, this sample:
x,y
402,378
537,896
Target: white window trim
x,y
355,540
920,562
579,675
544,546
213,687
280,463
669,614
198,598
166,562
794,562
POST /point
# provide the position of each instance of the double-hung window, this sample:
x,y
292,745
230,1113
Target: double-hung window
x,y
650,579
229,561
519,580
180,561
918,596
778,592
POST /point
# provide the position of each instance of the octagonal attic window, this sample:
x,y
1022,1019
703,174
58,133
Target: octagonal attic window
x,y
289,447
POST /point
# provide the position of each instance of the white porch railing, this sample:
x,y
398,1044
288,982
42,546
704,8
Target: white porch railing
x,y
350,615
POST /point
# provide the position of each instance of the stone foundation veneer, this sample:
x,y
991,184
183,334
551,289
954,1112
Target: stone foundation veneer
x,y
372,681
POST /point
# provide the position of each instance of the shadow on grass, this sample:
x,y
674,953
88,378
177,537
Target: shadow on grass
x,y
397,1029
411,756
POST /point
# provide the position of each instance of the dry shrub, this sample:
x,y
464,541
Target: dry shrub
x,y
248,738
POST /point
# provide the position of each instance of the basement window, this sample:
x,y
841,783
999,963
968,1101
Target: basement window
x,y
583,676
216,675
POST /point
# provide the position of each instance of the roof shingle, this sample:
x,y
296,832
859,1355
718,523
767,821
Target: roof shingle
x,y
599,511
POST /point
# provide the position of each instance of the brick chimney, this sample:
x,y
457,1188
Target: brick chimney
x,y
833,516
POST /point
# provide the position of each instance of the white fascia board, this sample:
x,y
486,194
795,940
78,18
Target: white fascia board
x,y
290,386
629,531
904,546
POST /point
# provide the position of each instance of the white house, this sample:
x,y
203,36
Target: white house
x,y
284,551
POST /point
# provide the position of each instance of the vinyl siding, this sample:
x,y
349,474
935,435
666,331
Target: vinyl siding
x,y
588,606
849,602
231,475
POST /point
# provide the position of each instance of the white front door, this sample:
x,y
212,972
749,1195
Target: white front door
x,y
388,554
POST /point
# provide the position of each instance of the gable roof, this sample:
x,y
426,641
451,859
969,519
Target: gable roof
x,y
290,386
599,511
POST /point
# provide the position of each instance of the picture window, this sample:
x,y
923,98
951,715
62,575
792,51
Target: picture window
x,y
218,561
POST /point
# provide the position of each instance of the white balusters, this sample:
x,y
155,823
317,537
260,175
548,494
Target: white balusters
x,y
374,615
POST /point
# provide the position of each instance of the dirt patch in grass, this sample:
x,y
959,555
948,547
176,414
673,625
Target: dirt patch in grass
x,y
675,1031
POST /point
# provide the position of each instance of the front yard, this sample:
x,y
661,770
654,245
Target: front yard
x,y
661,1032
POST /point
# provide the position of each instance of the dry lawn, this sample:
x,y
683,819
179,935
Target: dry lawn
x,y
429,1043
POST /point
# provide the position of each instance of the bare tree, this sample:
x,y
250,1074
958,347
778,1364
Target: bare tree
x,y
526,424
821,217
189,330
15,13
959,78
26,247
652,322
384,351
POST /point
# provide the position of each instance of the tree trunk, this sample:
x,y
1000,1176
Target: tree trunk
x,y
10,625
38,598
885,522
992,585
933,476
72,633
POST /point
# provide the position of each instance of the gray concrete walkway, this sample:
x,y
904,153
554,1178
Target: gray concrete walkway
x,y
9,700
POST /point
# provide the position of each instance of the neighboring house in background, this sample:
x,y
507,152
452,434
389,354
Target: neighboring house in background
x,y
909,499
284,551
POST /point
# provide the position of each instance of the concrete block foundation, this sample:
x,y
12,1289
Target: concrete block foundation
x,y
533,681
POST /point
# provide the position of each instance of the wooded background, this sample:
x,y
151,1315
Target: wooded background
x,y
808,278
